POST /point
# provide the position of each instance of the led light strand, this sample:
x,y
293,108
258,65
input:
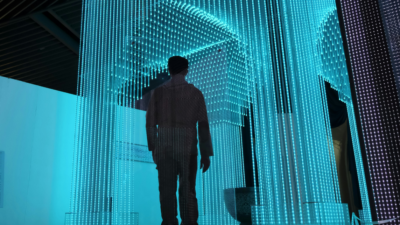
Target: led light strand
x,y
238,59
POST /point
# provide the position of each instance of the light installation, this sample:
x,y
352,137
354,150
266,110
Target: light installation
x,y
335,72
375,74
270,55
390,11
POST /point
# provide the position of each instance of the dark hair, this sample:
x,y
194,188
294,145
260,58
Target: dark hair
x,y
177,64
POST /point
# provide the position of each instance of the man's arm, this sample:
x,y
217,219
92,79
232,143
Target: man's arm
x,y
151,122
205,143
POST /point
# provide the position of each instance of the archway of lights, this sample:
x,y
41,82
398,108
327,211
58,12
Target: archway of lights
x,y
238,59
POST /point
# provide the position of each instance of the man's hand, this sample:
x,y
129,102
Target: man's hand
x,y
205,163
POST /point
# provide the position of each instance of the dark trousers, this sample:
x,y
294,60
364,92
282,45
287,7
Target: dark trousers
x,y
169,169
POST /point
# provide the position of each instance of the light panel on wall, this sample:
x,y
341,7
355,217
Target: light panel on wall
x,y
377,98
390,12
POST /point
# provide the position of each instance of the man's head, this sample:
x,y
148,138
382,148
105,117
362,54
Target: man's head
x,y
177,64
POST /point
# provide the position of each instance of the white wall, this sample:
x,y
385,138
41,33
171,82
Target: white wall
x,y
37,135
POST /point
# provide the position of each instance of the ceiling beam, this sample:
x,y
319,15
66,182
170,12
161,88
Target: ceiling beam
x,y
56,31
65,24
22,18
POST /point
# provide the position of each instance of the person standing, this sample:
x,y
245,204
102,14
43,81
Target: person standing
x,y
176,107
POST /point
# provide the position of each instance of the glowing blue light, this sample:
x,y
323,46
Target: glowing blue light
x,y
271,55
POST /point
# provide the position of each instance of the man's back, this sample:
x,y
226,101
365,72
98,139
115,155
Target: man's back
x,y
179,105
176,107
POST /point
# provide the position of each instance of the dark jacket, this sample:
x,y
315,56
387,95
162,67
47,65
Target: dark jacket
x,y
176,107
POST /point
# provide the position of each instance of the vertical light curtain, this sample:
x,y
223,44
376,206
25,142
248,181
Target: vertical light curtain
x,y
255,53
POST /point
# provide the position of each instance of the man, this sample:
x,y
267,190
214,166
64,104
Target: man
x,y
176,107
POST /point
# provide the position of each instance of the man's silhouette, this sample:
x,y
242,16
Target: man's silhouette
x,y
176,107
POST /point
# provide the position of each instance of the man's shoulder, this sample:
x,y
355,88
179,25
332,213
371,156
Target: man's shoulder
x,y
197,91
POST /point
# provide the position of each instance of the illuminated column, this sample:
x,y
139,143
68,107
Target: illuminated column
x,y
334,71
377,101
224,87
293,149
102,88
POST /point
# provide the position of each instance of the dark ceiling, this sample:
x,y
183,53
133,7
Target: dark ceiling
x,y
39,42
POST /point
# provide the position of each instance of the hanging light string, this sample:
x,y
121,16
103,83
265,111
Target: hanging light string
x,y
272,56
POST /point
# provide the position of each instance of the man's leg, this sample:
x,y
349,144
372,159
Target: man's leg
x,y
167,178
187,191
